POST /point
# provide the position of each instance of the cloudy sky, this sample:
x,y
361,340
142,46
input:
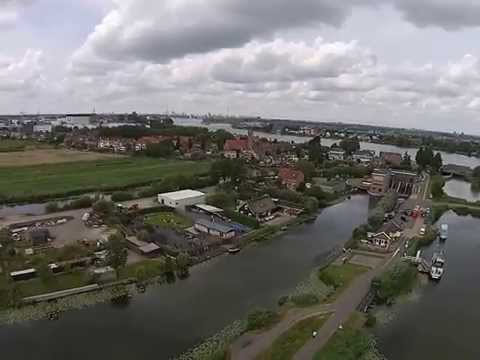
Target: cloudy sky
x,y
409,63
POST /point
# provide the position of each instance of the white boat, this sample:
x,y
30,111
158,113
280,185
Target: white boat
x,y
437,268
444,232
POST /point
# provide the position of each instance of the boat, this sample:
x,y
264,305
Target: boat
x,y
437,268
444,232
233,250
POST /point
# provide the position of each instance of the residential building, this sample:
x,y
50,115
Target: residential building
x,y
181,199
391,159
364,157
215,229
336,154
291,178
262,209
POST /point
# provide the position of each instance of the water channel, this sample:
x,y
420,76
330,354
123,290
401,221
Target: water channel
x,y
169,319
442,323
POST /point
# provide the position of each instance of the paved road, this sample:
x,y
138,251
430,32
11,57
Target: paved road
x,y
252,344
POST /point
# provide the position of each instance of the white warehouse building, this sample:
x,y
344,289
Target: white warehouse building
x,y
181,199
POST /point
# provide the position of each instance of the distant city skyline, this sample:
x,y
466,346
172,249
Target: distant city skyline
x,y
396,63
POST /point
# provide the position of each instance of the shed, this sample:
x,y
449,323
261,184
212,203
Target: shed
x,y
215,229
181,199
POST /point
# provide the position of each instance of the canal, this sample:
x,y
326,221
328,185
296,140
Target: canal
x,y
442,322
170,319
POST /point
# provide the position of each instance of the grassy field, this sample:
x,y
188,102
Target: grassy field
x,y
50,156
350,343
56,283
169,220
293,339
36,182
11,145
340,277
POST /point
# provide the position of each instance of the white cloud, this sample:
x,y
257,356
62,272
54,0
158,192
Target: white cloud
x,y
23,75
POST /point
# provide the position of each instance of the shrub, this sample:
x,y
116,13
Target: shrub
x,y
122,196
371,320
304,300
52,207
260,318
396,281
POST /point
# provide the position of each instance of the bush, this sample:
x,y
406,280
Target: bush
x,y
328,279
260,318
122,196
305,300
52,207
371,320
396,281
222,200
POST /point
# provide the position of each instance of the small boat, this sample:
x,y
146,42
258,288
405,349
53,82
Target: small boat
x,y
233,250
437,268
444,232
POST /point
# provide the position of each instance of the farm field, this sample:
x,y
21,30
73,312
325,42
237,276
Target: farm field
x,y
12,145
49,156
41,181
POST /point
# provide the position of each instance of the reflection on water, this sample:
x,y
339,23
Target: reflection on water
x,y
461,189
443,323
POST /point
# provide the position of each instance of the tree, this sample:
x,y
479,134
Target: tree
x,y
228,170
308,169
117,252
103,207
160,150
220,137
5,237
315,151
436,187
424,157
350,145
476,172
437,162
406,163
183,261
222,200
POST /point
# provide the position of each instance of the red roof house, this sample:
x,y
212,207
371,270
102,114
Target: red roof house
x,y
291,178
236,145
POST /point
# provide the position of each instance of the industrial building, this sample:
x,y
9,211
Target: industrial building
x,y
181,199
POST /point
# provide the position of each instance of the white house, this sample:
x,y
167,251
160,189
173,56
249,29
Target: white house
x,y
181,199
336,154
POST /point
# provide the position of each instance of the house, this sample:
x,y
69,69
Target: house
x,y
214,229
391,159
234,147
181,199
291,178
379,182
336,154
381,240
39,237
364,157
261,209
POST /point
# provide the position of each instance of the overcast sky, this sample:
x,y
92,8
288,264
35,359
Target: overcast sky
x,y
408,63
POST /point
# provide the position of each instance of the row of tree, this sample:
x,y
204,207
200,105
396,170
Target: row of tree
x,y
426,158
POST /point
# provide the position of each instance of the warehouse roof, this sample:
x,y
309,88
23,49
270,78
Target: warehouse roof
x,y
182,194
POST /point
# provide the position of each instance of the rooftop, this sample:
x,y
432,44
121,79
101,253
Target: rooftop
x,y
209,208
182,194
215,225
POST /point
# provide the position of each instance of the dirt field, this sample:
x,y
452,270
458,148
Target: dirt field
x,y
50,156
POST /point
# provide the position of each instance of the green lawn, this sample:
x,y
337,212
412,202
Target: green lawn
x,y
285,346
350,343
340,277
169,220
27,182
55,283
152,268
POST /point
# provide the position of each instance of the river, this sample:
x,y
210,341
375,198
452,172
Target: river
x,y
169,319
442,323
448,158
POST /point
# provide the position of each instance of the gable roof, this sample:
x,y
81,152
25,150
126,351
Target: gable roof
x,y
291,175
261,206
236,145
